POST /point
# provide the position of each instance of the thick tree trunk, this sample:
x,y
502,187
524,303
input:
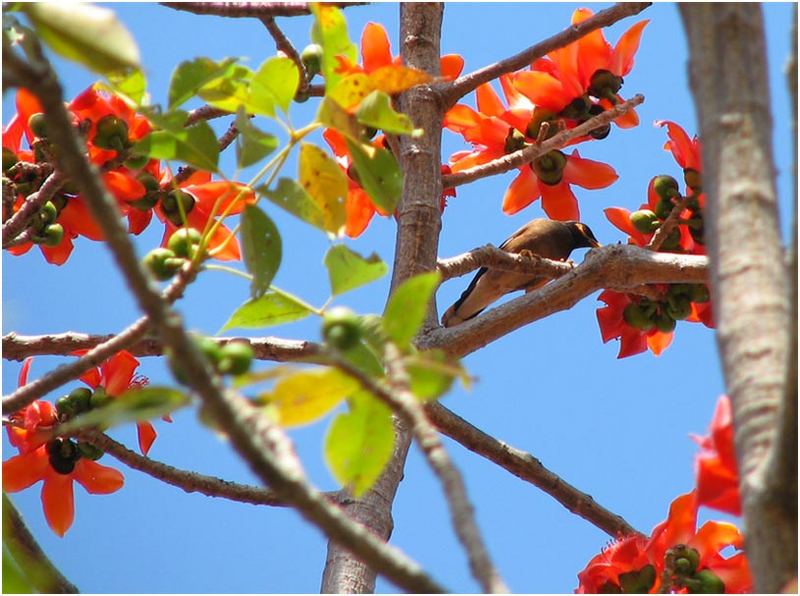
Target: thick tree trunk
x,y
749,274
419,223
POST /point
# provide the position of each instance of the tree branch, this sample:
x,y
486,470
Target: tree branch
x,y
494,258
262,444
669,224
526,467
455,90
748,275
45,577
250,9
283,44
618,267
528,154
33,203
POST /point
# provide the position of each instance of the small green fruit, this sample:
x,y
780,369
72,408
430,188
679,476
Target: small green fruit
x,y
236,358
99,398
699,293
174,202
184,242
665,323
136,162
112,133
636,317
65,408
211,349
38,125
80,398
549,168
679,308
693,179
645,221
605,84
162,263
312,59
666,187
341,328
705,582
9,159
515,140
46,215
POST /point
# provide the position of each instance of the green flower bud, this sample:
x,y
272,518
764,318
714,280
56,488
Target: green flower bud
x,y
666,187
148,181
148,201
136,162
673,241
236,358
603,131
312,59
162,263
99,398
645,221
665,323
540,116
52,235
89,451
9,159
638,582
38,125
609,588
46,215
636,317
65,408
341,328
112,133
577,109
605,84
172,203
515,140
705,582
63,454
693,179
549,168
663,209
80,398
679,307
211,349
699,293
184,242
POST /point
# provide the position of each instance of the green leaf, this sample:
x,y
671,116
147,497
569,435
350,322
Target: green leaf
x,y
173,120
323,179
432,373
333,115
14,580
191,75
195,145
135,405
330,31
360,443
376,110
87,34
129,83
252,144
261,245
275,82
230,91
408,306
272,308
378,173
305,396
348,270
289,195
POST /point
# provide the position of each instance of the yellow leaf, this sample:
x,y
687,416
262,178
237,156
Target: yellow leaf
x,y
396,78
323,180
305,396
349,91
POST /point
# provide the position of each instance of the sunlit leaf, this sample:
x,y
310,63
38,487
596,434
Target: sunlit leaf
x,y
261,247
350,90
232,91
272,308
408,306
379,174
14,580
275,82
305,396
432,373
326,184
396,78
290,196
135,405
330,31
359,443
130,83
252,144
191,75
376,111
195,145
333,115
87,34
348,270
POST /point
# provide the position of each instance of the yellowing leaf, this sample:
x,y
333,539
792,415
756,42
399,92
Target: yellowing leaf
x,y
350,90
396,78
305,396
323,180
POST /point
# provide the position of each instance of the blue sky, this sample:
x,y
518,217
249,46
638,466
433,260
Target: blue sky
x,y
617,429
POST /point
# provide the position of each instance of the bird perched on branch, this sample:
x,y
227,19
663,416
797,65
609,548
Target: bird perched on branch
x,y
544,237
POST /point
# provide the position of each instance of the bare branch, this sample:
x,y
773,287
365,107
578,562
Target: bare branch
x,y
283,44
526,467
531,152
452,92
250,9
224,141
205,113
617,267
32,204
669,224
495,258
46,578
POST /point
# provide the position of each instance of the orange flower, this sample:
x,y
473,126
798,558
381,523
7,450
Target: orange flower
x,y
687,152
715,466
495,130
207,201
116,375
625,556
57,463
613,325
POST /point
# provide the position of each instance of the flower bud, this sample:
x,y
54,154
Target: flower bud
x,y
577,109
699,293
666,187
236,358
540,116
341,328
549,168
705,582
693,179
111,133
174,202
9,159
184,242
80,398
515,140
645,221
679,307
312,59
136,162
99,398
637,317
38,125
605,84
638,582
603,131
665,323
46,215
161,263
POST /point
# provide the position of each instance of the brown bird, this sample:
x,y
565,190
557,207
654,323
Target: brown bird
x,y
543,237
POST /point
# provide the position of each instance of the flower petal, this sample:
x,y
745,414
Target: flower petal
x,y
58,501
626,47
25,470
22,379
375,48
117,372
489,102
522,191
621,219
58,255
451,65
146,435
594,52
77,218
226,193
542,89
659,341
96,478
588,173
559,202
360,209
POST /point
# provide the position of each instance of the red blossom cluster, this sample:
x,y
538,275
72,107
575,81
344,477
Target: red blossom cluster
x,y
140,185
678,557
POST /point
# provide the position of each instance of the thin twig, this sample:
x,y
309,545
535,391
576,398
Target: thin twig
x,y
663,232
45,577
205,113
403,402
33,203
531,152
250,9
526,467
263,445
185,172
494,258
452,92
283,44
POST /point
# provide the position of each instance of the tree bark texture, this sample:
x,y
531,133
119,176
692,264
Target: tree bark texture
x,y
728,74
419,223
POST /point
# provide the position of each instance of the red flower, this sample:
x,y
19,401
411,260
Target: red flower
x,y
687,152
116,375
495,130
57,463
209,200
614,326
675,559
715,466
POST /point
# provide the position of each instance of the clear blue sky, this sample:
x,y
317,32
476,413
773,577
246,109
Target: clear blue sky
x,y
617,429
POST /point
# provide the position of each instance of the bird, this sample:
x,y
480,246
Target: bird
x,y
543,237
